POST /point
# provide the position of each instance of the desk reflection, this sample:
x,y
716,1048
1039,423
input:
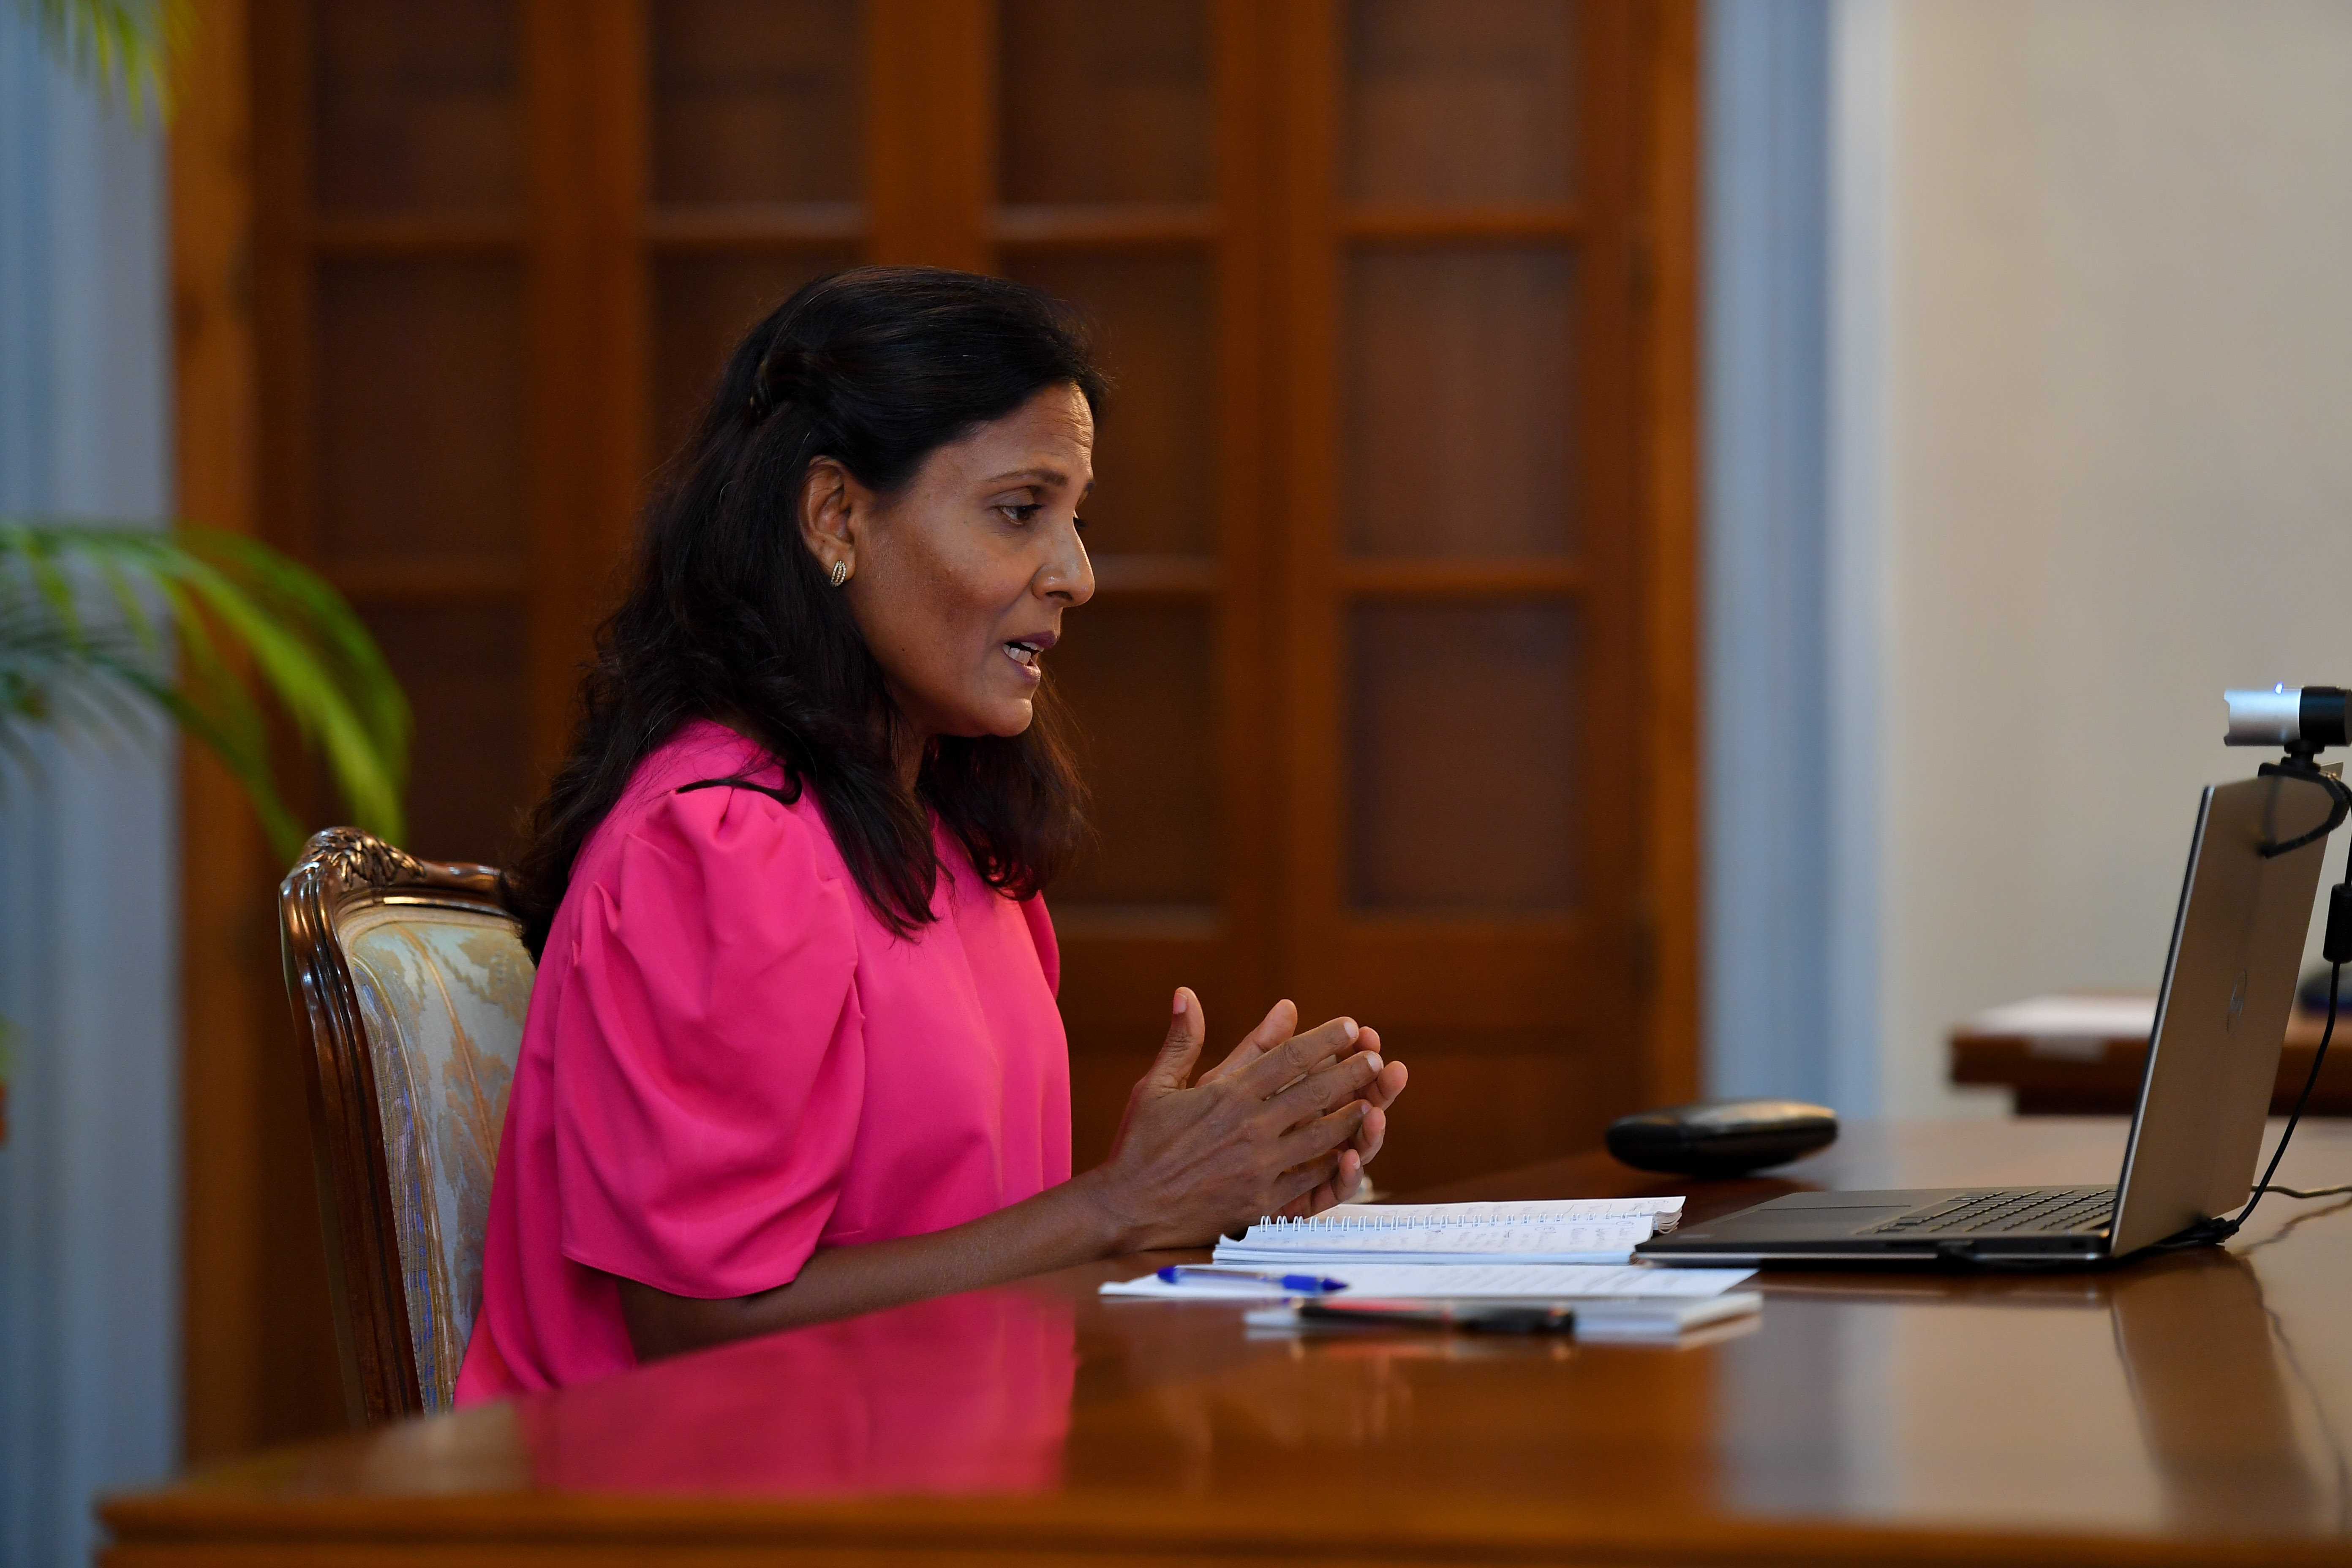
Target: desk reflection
x,y
1211,1408
2201,1349
969,1394
1941,1392
1848,1395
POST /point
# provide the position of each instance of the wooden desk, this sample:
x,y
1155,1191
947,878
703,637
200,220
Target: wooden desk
x,y
2190,1409
2101,1078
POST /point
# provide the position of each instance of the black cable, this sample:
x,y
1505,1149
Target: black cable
x,y
2335,978
2283,1232
2299,766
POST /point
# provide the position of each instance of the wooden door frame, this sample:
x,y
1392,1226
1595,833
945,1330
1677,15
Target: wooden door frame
x,y
1665,358
225,906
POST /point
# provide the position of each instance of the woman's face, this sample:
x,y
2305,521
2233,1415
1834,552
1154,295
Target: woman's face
x,y
959,582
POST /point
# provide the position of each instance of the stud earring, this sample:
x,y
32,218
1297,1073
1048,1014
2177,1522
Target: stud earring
x,y
840,573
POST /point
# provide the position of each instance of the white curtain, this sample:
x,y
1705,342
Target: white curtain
x,y
89,1178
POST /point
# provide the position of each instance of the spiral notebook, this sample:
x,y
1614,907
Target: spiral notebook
x,y
1558,1230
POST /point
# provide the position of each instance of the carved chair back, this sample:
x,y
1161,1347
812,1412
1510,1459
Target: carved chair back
x,y
409,982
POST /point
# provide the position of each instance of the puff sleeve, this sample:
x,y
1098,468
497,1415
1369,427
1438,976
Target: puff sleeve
x,y
709,1063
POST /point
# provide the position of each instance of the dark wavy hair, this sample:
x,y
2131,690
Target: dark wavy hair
x,y
728,616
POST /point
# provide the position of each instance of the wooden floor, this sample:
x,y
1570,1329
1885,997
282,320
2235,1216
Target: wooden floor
x,y
2190,1408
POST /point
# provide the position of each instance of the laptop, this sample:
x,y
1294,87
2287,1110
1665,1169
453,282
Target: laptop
x,y
2221,1024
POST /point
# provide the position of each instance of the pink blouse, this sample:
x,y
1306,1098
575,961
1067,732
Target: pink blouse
x,y
729,1063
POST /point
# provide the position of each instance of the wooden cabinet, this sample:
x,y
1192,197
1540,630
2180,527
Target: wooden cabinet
x,y
1386,694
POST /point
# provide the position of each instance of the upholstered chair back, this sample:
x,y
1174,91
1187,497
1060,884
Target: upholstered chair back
x,y
409,982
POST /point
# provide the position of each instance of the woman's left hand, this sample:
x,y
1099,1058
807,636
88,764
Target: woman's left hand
x,y
1279,1024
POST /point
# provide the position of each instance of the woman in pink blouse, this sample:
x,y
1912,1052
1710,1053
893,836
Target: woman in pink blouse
x,y
794,1052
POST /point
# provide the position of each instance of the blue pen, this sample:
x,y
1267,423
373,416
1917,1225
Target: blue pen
x,y
1297,1284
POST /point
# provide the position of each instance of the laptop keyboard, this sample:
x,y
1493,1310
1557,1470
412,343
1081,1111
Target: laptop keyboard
x,y
2007,1209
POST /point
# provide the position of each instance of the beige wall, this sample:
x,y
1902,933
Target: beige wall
x,y
2118,467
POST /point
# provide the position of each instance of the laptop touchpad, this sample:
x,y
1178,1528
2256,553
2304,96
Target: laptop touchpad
x,y
1808,1222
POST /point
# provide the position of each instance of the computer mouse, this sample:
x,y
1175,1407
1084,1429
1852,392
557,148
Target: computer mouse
x,y
1722,1137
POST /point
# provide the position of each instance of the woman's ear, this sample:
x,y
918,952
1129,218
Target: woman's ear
x,y
832,510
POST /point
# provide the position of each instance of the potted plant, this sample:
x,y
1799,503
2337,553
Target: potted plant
x,y
106,626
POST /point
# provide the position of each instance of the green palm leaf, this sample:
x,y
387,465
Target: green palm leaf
x,y
125,46
102,626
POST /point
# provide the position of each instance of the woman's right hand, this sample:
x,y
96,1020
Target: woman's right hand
x,y
1276,1125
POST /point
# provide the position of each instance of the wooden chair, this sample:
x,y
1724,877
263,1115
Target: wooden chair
x,y
409,982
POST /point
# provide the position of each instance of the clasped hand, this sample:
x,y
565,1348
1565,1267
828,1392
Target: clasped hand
x,y
1284,1125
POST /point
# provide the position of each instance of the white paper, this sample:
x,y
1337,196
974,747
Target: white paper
x,y
1452,1240
2068,1018
1459,1281
1607,1242
1553,1230
1665,1212
1151,1288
